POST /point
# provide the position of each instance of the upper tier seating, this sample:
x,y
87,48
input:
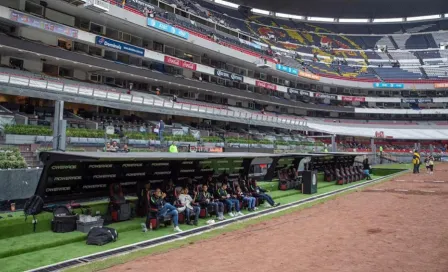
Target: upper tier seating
x,y
374,41
440,37
411,42
420,27
318,40
437,72
397,73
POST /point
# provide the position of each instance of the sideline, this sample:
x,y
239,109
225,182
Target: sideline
x,y
79,261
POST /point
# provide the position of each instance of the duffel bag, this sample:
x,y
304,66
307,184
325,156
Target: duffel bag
x,y
101,235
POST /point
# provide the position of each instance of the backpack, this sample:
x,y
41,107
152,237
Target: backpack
x,y
101,235
63,220
34,205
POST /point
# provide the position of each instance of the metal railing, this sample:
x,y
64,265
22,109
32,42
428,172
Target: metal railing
x,y
38,81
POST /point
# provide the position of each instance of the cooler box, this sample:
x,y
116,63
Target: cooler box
x,y
309,182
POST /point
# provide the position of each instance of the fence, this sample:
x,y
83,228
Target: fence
x,y
18,183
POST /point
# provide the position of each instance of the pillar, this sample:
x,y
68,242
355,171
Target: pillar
x,y
333,143
59,126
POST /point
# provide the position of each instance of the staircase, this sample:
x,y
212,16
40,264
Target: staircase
x,y
393,42
419,58
30,158
430,40
29,155
423,72
373,71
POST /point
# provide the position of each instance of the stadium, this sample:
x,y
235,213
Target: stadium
x,y
212,135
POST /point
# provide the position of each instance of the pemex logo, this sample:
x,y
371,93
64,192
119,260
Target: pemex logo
x,y
101,40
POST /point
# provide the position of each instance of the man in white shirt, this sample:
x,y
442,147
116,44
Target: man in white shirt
x,y
186,200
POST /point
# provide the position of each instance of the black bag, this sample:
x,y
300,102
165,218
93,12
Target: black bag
x,y
101,235
34,205
63,220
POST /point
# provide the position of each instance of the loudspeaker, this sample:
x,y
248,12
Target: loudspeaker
x,y
309,182
246,11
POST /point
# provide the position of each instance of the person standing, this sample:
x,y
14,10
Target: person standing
x,y
173,148
431,165
381,154
416,162
366,168
427,164
161,130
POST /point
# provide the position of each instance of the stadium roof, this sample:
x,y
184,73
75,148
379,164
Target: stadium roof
x,y
351,8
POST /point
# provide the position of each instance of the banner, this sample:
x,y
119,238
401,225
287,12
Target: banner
x,y
324,95
168,29
388,85
309,75
228,75
43,24
416,100
287,69
120,46
254,45
139,5
306,93
301,92
441,85
293,91
353,99
204,149
266,85
379,134
180,63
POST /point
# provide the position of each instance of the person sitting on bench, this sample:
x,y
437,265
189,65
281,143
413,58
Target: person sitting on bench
x,y
187,201
259,192
206,200
211,185
230,201
163,208
247,191
191,186
250,200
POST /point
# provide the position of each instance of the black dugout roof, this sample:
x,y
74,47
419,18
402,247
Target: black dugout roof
x,y
71,176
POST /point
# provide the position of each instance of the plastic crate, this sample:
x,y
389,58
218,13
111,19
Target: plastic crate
x,y
87,226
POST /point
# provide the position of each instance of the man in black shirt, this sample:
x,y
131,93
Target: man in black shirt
x,y
206,200
157,202
229,200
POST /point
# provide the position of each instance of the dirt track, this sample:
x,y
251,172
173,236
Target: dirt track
x,y
403,228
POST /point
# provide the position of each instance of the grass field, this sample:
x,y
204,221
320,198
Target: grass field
x,y
25,252
103,264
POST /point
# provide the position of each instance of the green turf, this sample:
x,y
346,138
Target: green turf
x,y
25,252
17,226
103,264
